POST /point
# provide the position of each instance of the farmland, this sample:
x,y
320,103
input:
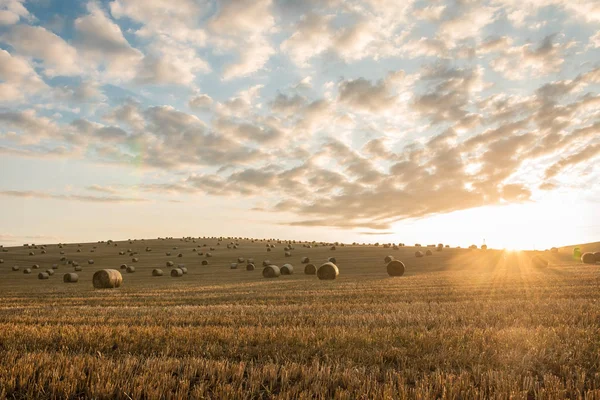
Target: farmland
x,y
459,324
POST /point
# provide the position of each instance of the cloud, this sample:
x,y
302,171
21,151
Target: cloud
x,y
201,102
361,94
468,21
312,36
102,189
100,39
588,153
73,197
59,57
18,79
11,11
31,127
243,25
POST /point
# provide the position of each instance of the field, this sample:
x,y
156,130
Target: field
x,y
459,324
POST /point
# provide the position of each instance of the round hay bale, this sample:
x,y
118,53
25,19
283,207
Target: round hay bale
x,y
332,247
288,254
183,269
250,261
310,269
130,269
395,268
269,249
170,263
43,251
157,272
538,262
70,277
176,273
588,258
250,267
388,259
428,253
168,253
484,247
287,269
180,255
27,271
1,261
208,255
271,271
79,250
78,268
266,263
328,271
241,259
305,260
35,266
63,259
50,272
54,266
418,254
31,253
554,250
90,262
576,252
43,275
597,255
332,260
135,259
204,262
233,266
121,253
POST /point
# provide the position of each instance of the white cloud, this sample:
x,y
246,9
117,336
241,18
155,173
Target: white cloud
x,y
201,102
11,11
59,57
101,40
18,79
243,26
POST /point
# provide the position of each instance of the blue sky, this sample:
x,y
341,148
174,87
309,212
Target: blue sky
x,y
357,120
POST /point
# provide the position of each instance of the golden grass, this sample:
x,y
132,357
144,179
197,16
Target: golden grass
x,y
458,324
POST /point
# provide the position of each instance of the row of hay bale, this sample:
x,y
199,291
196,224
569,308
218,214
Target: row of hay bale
x,y
327,271
590,258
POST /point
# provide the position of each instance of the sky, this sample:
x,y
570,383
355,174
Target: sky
x,y
461,122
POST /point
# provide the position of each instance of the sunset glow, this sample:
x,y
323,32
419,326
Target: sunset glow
x,y
361,120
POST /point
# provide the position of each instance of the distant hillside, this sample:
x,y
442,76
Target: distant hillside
x,y
593,247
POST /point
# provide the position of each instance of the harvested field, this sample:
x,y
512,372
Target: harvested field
x,y
458,324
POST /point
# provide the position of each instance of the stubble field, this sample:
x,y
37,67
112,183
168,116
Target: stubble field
x,y
459,324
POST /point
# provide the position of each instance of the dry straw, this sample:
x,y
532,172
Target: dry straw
x,y
70,277
395,268
310,269
107,279
176,272
328,271
271,271
287,269
588,258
